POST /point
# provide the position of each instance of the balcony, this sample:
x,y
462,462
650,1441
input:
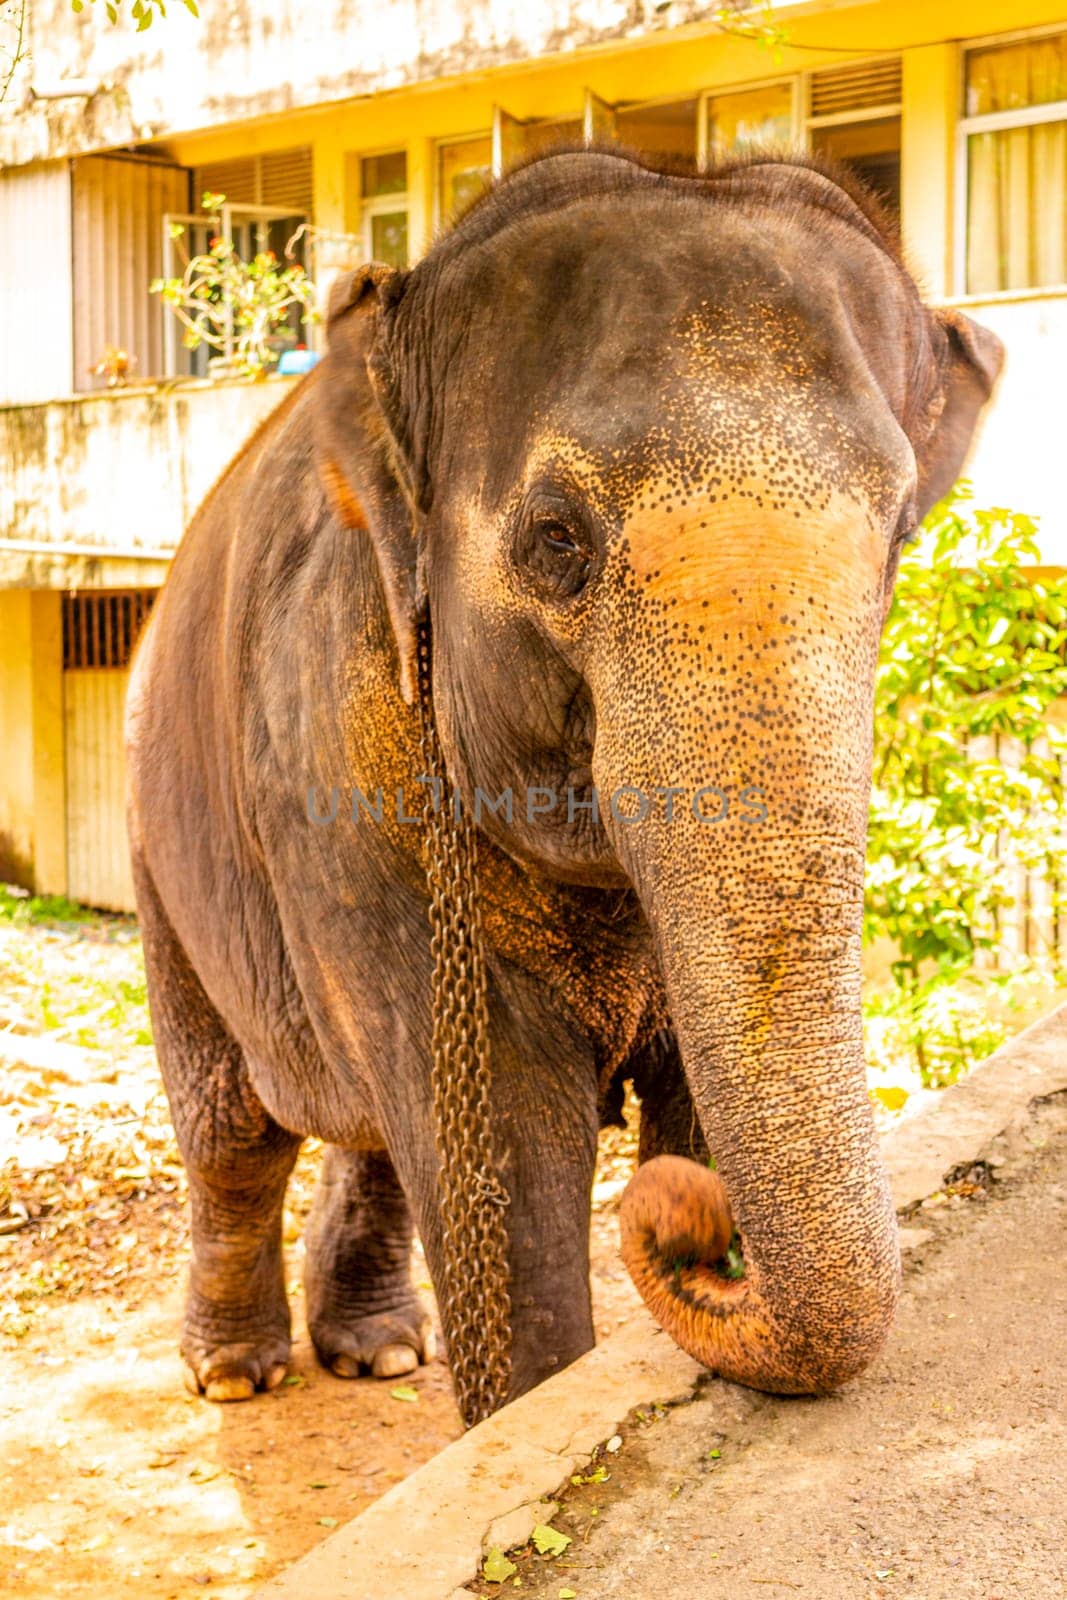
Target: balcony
x,y
96,490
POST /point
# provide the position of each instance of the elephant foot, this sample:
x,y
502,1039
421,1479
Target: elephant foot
x,y
228,1355
386,1344
234,1371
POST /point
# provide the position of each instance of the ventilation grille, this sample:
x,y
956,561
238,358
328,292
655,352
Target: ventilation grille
x,y
281,178
100,630
841,89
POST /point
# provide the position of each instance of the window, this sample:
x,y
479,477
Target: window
x,y
383,184
744,119
853,116
268,200
667,129
1014,150
253,228
464,170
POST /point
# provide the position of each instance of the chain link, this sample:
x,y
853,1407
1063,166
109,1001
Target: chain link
x,y
475,1306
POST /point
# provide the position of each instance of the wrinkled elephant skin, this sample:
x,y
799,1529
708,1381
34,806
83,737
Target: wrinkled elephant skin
x,y
647,447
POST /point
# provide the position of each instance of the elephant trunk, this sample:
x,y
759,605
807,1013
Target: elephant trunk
x,y
753,670
773,1054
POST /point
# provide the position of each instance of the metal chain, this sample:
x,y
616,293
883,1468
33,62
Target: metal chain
x,y
475,1305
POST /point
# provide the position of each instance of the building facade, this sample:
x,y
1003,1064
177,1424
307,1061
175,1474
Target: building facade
x,y
370,124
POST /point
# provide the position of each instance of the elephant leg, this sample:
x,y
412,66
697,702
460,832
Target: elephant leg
x,y
669,1123
235,1334
362,1310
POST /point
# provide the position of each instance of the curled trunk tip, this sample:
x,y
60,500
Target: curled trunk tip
x,y
676,1225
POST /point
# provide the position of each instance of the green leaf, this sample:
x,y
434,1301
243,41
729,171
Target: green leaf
x,y
404,1392
77,5
568,1594
191,6
112,12
496,1567
549,1541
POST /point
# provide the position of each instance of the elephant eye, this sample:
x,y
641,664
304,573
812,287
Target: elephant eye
x,y
558,538
558,558
555,552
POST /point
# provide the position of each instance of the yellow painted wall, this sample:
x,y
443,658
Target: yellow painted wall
x,y
49,780
32,800
16,738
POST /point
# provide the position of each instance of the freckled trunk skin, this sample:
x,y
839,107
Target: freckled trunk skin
x,y
758,930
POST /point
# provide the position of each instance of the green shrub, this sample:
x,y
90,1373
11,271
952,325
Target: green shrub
x,y
968,781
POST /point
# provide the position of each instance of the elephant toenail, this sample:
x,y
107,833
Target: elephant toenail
x,y
393,1359
345,1366
233,1388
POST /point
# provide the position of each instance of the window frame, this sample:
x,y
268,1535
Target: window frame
x,y
380,205
992,122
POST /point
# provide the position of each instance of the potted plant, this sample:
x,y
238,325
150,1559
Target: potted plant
x,y
240,309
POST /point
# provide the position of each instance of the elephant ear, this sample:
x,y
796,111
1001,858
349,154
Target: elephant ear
x,y
358,448
971,362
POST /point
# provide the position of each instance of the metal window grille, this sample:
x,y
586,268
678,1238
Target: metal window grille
x,y
100,629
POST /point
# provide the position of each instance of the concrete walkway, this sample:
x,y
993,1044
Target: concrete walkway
x,y
939,1474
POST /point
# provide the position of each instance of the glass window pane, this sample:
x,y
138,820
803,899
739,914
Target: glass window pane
x,y
1017,208
389,238
1009,77
465,170
666,130
384,174
750,117
538,136
871,150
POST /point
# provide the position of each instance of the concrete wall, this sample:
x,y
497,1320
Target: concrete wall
x,y
1019,462
117,474
245,60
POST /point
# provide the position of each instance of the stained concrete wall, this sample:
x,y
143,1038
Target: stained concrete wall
x,y
116,475
245,60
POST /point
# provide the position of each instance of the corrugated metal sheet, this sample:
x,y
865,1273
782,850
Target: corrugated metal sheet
x,y
98,855
35,283
118,205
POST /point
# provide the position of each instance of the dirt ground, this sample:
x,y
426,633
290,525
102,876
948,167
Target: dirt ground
x,y
113,1480
940,1474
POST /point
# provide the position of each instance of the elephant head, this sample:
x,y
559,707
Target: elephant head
x,y
649,447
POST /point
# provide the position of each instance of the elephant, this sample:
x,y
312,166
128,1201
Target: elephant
x,y
639,449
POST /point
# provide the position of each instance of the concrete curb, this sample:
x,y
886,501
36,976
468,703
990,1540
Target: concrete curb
x,y
426,1537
